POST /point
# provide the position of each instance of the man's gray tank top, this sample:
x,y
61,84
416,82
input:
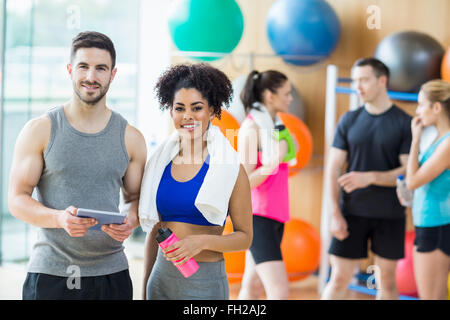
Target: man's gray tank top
x,y
85,171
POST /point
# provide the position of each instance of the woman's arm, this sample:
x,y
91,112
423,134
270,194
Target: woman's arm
x,y
240,210
418,176
150,252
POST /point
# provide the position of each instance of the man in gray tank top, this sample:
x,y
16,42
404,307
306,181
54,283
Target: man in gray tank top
x,y
79,155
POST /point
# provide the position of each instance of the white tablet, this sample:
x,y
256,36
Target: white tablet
x,y
103,217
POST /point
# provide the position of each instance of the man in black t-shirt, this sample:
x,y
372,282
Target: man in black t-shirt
x,y
373,143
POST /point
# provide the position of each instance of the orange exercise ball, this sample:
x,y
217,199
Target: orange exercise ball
x,y
234,261
229,127
303,136
300,248
445,66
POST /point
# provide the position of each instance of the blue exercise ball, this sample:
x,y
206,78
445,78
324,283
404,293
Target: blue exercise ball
x,y
412,57
211,26
303,27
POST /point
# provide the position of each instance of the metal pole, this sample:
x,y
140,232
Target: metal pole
x,y
354,98
330,120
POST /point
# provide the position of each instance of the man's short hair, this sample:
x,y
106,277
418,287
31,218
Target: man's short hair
x,y
93,39
378,67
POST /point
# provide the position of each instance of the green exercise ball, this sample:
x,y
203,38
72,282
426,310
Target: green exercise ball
x,y
206,25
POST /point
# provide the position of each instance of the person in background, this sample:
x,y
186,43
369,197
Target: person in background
x,y
263,96
428,174
372,142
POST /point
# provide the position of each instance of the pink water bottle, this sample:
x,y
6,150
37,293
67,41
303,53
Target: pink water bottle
x,y
165,238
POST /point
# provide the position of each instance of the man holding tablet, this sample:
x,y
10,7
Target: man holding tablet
x,y
79,155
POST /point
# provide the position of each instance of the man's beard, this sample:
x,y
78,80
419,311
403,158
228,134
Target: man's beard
x,y
103,91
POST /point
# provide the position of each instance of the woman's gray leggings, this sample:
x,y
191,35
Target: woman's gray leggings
x,y
167,283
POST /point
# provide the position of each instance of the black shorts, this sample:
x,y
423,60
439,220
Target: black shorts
x,y
431,238
387,238
267,236
41,286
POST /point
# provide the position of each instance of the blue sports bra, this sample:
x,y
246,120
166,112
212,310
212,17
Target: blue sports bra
x,y
175,200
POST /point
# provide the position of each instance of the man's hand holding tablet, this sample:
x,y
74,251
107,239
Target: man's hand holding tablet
x,y
117,225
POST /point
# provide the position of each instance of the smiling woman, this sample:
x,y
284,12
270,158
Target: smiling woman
x,y
191,112
187,165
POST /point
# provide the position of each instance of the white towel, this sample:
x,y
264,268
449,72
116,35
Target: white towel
x,y
269,146
214,194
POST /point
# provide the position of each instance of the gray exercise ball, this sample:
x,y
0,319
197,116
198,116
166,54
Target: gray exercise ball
x,y
412,57
236,108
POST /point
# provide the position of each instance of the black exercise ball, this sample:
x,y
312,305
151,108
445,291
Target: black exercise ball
x,y
412,57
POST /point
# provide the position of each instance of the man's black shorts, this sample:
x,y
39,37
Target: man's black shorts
x,y
41,286
387,238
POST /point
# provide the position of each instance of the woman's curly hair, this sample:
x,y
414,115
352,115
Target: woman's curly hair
x,y
212,83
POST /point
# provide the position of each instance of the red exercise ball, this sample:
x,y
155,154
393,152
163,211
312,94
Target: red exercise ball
x,y
300,248
229,127
448,286
234,261
300,131
445,66
406,283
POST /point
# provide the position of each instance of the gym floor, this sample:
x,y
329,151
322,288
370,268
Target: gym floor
x,y
13,276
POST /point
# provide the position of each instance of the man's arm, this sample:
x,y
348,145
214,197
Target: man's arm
x,y
356,179
26,170
137,151
389,178
336,161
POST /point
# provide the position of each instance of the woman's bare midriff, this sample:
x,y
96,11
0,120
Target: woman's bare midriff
x,y
182,230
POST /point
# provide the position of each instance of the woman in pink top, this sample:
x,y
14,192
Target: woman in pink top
x,y
264,94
